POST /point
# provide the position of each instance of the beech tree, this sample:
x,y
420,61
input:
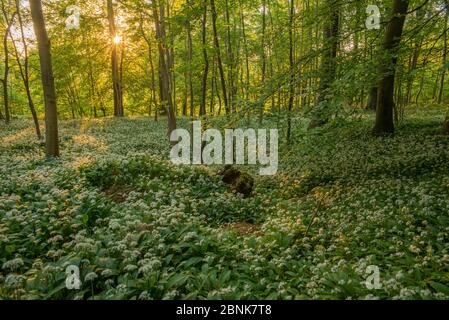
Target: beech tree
x,y
44,48
284,58
116,74
24,68
9,19
328,62
165,90
385,102
218,54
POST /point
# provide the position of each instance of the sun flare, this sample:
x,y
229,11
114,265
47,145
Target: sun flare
x,y
117,39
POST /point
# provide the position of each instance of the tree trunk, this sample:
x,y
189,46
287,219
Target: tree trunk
x,y
117,88
245,47
44,47
150,57
444,62
206,62
412,68
164,71
170,55
186,85
291,65
212,88
120,73
420,14
230,58
385,102
217,48
328,64
9,21
446,121
263,56
246,84
372,100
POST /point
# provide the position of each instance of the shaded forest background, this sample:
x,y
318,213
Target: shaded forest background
x,y
219,57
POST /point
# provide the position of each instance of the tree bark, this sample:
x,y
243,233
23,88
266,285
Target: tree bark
x,y
444,60
190,57
263,56
23,68
212,88
150,58
218,53
230,58
291,66
9,21
164,71
206,61
44,48
246,84
116,84
420,14
372,99
385,102
328,63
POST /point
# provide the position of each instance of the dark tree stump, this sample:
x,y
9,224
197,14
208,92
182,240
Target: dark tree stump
x,y
239,181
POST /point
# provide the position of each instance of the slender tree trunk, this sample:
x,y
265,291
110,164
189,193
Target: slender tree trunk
x,y
263,56
44,48
420,14
444,62
397,107
190,55
206,61
117,88
212,88
412,68
291,66
328,63
230,57
9,21
92,90
217,49
164,71
218,96
385,102
245,49
153,101
446,121
186,85
421,86
150,57
436,86
372,99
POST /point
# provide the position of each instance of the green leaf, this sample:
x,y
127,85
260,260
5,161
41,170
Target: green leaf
x,y
192,261
439,287
225,277
176,280
56,290
10,248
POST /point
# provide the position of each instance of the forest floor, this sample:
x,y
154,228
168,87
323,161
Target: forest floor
x,y
139,227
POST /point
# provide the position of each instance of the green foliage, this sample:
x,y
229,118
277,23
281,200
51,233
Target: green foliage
x,y
139,227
